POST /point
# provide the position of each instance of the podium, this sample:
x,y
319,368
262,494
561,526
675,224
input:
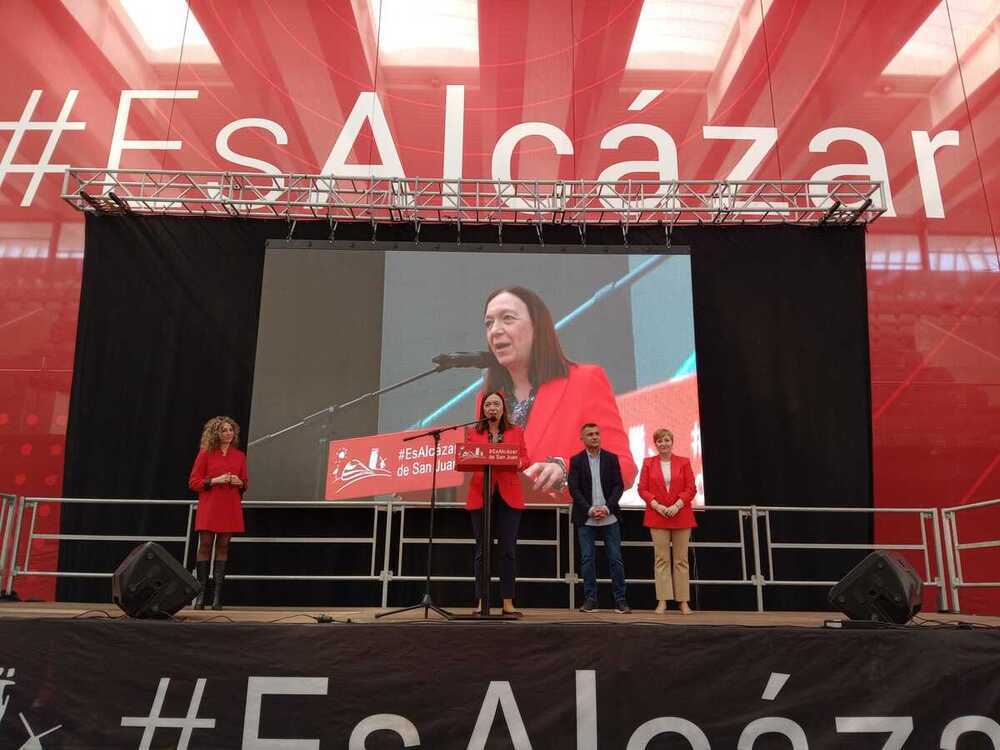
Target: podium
x,y
486,457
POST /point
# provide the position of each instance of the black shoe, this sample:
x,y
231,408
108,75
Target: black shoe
x,y
622,608
220,578
201,568
589,606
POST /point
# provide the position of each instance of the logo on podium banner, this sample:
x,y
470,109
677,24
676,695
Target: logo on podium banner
x,y
474,456
385,464
356,471
470,452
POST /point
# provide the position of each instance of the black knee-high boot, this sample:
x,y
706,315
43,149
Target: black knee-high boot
x,y
201,568
220,578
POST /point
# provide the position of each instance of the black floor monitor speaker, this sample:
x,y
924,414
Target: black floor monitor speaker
x,y
151,583
883,587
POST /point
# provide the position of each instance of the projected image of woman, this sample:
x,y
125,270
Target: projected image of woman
x,y
219,476
547,394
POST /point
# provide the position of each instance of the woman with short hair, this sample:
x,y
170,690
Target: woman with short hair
x,y
666,485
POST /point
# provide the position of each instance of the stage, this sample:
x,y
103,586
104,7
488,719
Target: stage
x,y
274,678
363,615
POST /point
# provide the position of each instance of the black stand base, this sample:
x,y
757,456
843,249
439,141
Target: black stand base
x,y
9,596
427,604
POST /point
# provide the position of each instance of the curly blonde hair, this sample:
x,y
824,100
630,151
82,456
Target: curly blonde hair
x,y
211,435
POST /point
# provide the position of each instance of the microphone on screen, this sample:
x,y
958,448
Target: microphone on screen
x,y
476,360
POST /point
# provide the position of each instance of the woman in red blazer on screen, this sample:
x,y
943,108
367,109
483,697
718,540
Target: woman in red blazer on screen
x,y
549,396
507,498
666,485
219,476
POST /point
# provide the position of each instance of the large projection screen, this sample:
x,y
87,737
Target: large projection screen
x,y
341,321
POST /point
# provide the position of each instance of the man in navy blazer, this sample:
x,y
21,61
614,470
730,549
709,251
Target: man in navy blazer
x,y
595,484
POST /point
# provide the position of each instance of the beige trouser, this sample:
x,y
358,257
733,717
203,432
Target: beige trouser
x,y
676,586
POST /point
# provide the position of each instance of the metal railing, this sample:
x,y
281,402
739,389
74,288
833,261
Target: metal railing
x,y
405,540
564,535
745,515
753,540
32,504
371,542
934,576
954,547
472,201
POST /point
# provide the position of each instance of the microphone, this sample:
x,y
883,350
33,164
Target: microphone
x,y
478,360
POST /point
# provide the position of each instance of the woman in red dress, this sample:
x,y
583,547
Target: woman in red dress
x,y
666,485
507,499
219,476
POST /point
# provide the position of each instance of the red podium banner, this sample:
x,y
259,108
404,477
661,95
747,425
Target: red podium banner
x,y
384,464
474,456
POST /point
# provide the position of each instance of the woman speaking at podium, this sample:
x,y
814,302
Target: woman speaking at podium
x,y
550,396
507,499
219,476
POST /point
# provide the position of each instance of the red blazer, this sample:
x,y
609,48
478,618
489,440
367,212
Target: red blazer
x,y
652,487
561,407
507,479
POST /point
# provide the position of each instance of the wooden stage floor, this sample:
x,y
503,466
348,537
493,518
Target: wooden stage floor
x,y
301,615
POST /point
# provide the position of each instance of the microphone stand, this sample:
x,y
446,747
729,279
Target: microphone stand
x,y
427,602
327,413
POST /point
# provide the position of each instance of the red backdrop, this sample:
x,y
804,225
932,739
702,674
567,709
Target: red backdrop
x,y
905,91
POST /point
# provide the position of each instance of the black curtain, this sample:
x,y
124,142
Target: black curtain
x,y
781,328
167,338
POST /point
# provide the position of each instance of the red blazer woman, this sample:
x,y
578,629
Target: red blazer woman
x,y
562,406
653,487
220,507
508,480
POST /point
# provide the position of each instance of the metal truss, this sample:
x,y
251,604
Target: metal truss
x,y
472,201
